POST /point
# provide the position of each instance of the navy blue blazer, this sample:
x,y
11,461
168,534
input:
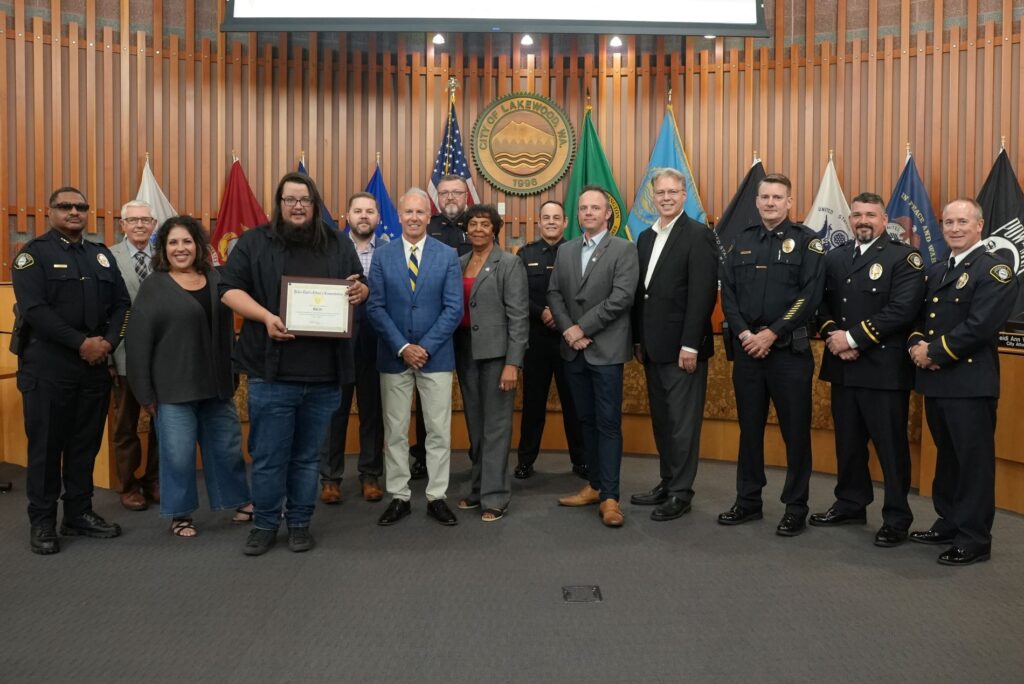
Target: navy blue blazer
x,y
427,317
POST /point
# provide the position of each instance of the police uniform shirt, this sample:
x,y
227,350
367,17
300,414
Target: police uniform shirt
x,y
964,308
67,291
539,259
451,232
875,298
772,278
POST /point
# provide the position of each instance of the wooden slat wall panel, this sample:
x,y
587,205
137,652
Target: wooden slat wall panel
x,y
343,99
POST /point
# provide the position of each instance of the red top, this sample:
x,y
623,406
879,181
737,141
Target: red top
x,y
467,287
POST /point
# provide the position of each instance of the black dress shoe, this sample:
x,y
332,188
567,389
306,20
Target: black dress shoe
x,y
418,470
259,541
396,510
43,539
790,525
656,496
672,508
832,517
888,536
89,524
958,555
932,537
439,511
738,515
523,471
581,471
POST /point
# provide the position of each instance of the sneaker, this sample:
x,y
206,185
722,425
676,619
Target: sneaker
x,y
299,539
259,541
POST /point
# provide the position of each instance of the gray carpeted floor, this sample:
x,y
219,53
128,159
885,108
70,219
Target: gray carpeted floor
x,y
687,600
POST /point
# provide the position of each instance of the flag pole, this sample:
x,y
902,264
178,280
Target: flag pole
x,y
1002,143
453,83
378,159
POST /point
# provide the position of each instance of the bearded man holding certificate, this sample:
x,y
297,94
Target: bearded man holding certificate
x,y
287,279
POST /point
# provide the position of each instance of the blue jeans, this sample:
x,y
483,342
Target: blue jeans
x,y
287,424
213,423
597,394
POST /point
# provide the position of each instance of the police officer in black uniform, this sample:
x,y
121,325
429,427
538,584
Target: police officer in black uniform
x,y
873,291
73,304
450,228
954,346
542,356
771,285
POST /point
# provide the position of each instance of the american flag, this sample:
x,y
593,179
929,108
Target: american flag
x,y
451,160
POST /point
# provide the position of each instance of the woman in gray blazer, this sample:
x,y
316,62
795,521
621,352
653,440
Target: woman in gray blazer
x,y
178,343
489,348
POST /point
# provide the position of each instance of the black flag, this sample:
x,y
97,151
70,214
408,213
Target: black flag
x,y
1002,205
742,210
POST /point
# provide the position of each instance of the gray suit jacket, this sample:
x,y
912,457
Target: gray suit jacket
x,y
123,252
598,299
499,308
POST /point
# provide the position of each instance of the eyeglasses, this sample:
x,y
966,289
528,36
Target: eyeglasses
x,y
451,193
139,220
667,193
81,207
301,201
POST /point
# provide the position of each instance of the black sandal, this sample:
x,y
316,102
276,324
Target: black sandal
x,y
243,516
468,504
180,527
492,514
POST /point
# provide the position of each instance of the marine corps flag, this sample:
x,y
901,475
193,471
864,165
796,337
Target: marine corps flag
x,y
1002,205
742,210
591,168
239,211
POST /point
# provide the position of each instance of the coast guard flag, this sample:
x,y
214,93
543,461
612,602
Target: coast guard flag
x,y
911,218
668,153
150,192
389,228
591,168
742,210
324,213
830,215
239,211
451,160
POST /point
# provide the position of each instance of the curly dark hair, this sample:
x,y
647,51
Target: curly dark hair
x,y
489,212
204,253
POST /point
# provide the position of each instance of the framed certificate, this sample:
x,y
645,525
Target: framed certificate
x,y
316,307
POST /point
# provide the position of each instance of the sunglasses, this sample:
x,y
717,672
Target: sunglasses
x,y
81,207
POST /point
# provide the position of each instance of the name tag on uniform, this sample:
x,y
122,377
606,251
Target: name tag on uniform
x,y
60,265
745,251
535,263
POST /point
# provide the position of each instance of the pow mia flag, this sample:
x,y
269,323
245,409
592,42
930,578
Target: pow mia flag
x,y
1002,205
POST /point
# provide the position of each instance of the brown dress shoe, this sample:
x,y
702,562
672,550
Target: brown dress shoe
x,y
372,491
134,501
330,493
611,514
588,496
152,492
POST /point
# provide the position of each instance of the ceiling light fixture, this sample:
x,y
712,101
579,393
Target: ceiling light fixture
x,y
615,42
526,40
438,39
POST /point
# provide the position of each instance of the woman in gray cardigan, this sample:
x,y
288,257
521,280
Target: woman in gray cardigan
x,y
489,349
178,344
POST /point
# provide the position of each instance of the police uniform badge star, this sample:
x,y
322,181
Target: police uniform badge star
x,y
103,261
915,261
1002,273
875,272
962,281
816,246
788,244
23,261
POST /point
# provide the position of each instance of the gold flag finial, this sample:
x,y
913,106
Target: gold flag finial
x,y
1002,143
670,96
147,155
234,155
830,155
378,159
451,86
908,148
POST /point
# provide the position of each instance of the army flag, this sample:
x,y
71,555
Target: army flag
x,y
325,214
911,218
668,153
451,160
742,210
239,211
830,215
591,168
150,192
389,228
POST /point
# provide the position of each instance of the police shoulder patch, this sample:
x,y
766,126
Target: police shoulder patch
x,y
816,246
915,261
23,261
1000,272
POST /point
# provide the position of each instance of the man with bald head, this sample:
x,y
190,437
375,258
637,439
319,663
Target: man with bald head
x,y
954,346
415,305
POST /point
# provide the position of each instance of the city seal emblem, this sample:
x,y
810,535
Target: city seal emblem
x,y
523,143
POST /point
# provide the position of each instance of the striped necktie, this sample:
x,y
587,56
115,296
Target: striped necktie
x,y
414,267
141,267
